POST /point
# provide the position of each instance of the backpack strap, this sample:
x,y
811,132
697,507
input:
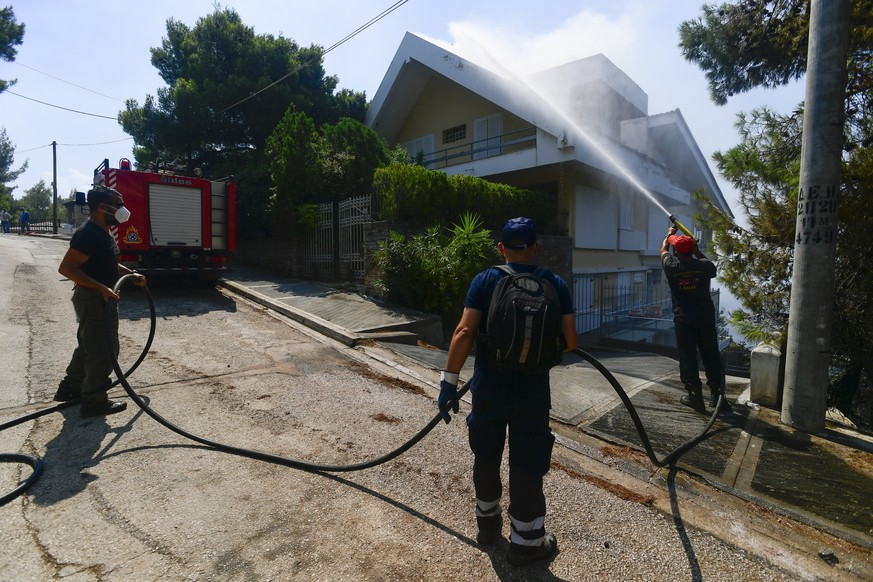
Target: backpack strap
x,y
506,269
539,272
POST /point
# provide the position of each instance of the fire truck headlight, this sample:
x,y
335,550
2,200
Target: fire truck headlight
x,y
193,256
175,253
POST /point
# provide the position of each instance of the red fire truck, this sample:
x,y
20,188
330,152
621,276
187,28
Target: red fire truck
x,y
178,224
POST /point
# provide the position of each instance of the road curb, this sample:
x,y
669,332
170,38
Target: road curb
x,y
322,326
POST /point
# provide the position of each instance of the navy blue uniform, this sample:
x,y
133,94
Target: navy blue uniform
x,y
504,399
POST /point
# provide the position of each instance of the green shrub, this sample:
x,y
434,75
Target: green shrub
x,y
410,193
432,271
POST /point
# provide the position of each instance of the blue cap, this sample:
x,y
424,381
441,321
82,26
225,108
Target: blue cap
x,y
519,233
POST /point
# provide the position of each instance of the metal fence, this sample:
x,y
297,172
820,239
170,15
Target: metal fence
x,y
512,141
737,361
641,313
334,250
354,215
318,249
37,225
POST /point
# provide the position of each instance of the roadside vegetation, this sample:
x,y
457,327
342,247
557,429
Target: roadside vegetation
x,y
432,270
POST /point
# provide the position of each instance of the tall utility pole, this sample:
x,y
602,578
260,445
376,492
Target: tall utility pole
x,y
54,187
810,316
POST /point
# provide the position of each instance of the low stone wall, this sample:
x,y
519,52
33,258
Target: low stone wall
x,y
274,255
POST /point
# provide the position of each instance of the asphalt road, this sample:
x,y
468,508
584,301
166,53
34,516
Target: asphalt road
x,y
123,498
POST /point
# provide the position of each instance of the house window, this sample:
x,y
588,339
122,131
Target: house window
x,y
456,133
421,148
486,136
626,214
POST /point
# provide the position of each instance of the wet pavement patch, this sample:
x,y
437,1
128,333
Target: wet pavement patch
x,y
668,425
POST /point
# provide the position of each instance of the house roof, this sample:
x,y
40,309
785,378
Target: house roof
x,y
677,148
657,153
417,60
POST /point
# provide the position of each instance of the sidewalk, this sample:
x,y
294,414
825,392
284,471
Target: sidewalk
x,y
823,480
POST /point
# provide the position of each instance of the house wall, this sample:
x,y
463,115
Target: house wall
x,y
585,260
444,104
596,224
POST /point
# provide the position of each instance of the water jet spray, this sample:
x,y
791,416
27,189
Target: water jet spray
x,y
579,131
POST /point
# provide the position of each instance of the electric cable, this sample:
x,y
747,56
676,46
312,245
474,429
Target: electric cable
x,y
19,63
321,54
59,107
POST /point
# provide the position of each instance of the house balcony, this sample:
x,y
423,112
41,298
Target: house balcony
x,y
465,153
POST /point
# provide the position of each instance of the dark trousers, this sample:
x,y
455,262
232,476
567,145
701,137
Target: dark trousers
x,y
692,336
520,406
91,364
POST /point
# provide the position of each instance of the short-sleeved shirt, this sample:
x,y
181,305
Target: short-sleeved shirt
x,y
102,252
482,288
689,286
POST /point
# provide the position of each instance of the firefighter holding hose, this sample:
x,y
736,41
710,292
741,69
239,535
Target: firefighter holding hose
x,y
688,273
92,264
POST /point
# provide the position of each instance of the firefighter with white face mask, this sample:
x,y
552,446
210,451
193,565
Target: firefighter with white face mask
x,y
120,214
92,264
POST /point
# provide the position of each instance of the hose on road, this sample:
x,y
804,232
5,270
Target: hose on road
x,y
122,376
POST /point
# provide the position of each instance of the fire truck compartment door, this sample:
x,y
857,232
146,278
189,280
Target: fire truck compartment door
x,y
175,215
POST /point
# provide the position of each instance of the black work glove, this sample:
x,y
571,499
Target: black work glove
x,y
448,398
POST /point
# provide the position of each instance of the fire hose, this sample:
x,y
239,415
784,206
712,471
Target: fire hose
x,y
122,376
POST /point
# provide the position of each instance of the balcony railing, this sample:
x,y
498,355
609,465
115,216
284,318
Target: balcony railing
x,y
630,314
513,141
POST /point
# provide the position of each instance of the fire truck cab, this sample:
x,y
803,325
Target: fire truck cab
x,y
178,224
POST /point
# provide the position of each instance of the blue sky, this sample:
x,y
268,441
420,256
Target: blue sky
x,y
91,56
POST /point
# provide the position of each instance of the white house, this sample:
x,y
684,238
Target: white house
x,y
581,130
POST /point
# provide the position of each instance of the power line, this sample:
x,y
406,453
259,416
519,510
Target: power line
x,y
95,143
48,145
348,37
59,107
70,83
73,145
345,39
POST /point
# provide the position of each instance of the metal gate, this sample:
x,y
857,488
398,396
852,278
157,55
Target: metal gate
x,y
335,249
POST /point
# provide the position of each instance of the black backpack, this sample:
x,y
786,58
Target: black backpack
x,y
523,330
